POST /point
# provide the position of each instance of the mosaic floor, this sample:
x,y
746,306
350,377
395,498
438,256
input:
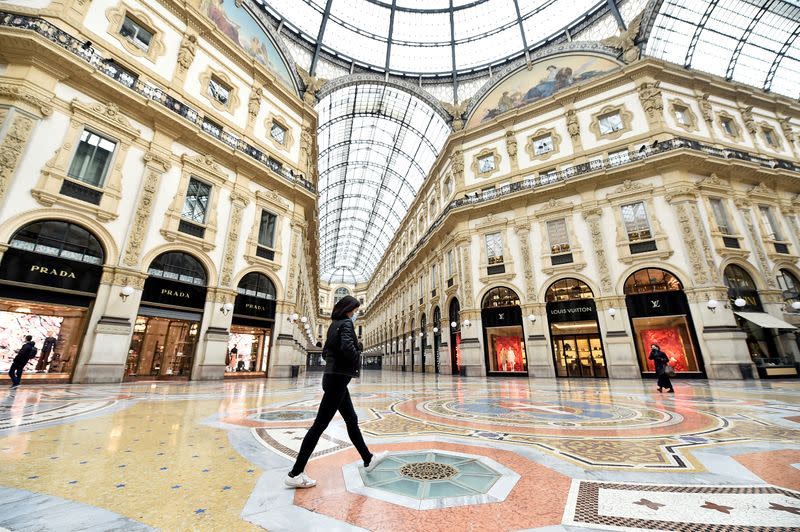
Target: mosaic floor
x,y
467,454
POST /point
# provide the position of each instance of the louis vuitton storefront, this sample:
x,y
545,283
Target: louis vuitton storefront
x,y
49,277
167,327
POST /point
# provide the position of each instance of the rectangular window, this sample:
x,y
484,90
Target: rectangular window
x,y
433,277
198,197
494,248
266,230
486,164
619,157
557,234
609,123
634,216
92,159
136,33
542,145
769,135
682,116
278,133
219,91
450,263
727,126
720,216
770,223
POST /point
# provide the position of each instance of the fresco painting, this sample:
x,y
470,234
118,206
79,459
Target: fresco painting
x,y
238,25
544,79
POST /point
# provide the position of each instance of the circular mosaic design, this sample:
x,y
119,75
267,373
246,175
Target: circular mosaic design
x,y
550,412
428,471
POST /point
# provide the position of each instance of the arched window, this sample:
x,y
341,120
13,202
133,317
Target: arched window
x,y
741,286
455,310
651,280
437,318
339,294
256,284
568,290
178,266
500,297
790,286
59,239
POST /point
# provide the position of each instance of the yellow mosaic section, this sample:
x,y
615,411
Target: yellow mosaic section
x,y
116,462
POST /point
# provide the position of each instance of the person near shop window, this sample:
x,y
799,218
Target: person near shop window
x,y
25,354
663,369
342,351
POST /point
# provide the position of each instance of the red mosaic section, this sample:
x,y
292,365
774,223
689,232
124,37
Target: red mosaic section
x,y
520,510
774,467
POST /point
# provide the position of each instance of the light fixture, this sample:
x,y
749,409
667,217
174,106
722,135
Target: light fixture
x,y
293,317
466,323
226,308
421,334
712,305
739,302
303,319
453,324
435,330
125,292
531,318
612,312
795,305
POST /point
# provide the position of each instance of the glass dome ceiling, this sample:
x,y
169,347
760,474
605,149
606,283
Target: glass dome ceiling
x,y
376,145
429,36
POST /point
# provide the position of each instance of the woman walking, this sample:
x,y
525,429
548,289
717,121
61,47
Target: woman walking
x,y
661,361
342,352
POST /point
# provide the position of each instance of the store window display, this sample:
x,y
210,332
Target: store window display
x,y
48,281
660,314
251,327
503,334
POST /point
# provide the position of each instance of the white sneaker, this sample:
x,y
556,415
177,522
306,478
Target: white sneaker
x,y
376,460
300,481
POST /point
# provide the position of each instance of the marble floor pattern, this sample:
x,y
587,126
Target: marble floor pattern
x,y
469,454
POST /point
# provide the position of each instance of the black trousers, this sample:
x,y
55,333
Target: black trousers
x,y
15,372
664,382
336,397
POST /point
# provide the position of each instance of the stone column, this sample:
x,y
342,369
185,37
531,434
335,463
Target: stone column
x,y
209,360
471,345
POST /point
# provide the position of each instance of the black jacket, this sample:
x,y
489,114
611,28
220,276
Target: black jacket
x,y
660,359
342,350
25,354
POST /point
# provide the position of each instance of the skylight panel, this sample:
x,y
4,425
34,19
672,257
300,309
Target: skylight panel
x,y
305,17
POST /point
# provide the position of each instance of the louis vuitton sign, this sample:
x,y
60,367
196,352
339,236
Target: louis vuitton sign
x,y
566,311
20,266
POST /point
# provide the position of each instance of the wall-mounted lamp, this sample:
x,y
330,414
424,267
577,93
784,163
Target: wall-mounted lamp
x,y
613,313
435,330
293,317
421,334
466,324
531,318
303,319
739,302
795,306
453,324
125,292
712,305
226,308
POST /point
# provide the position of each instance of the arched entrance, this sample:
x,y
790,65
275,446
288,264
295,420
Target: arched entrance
x,y
413,341
455,336
167,326
761,328
574,331
660,314
423,338
49,277
251,327
437,337
503,334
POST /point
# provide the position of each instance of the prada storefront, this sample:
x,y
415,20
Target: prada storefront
x,y
167,326
48,282
251,328
574,331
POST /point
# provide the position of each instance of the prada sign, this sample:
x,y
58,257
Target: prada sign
x,y
26,267
173,293
565,311
254,307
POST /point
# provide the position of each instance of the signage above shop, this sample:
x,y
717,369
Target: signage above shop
x,y
54,273
657,304
255,307
577,310
174,294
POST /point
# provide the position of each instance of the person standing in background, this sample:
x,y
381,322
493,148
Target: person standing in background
x,y
25,354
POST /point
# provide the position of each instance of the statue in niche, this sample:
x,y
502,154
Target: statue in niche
x,y
573,127
187,51
254,104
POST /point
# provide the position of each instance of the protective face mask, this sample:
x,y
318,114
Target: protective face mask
x,y
353,318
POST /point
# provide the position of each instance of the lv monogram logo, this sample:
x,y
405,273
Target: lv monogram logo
x,y
656,303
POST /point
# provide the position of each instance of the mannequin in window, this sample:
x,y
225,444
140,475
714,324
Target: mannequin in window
x,y
47,347
511,359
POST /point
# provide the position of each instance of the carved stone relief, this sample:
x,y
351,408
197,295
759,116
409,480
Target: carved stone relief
x,y
511,148
523,234
744,207
592,218
238,203
12,147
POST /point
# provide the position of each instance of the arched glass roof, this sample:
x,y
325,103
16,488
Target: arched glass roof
x,y
751,41
429,36
376,145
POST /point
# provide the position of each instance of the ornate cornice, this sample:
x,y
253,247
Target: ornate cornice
x,y
17,93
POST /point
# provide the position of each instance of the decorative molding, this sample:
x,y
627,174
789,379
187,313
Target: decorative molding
x,y
625,42
13,144
109,114
713,181
737,129
540,133
763,127
749,121
744,207
484,153
706,108
16,93
592,218
233,94
238,203
254,104
625,115
511,149
187,51
312,85
695,259
116,16
652,102
141,219
456,113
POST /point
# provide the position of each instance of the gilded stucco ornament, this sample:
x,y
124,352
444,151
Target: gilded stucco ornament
x,y
625,41
313,85
456,113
